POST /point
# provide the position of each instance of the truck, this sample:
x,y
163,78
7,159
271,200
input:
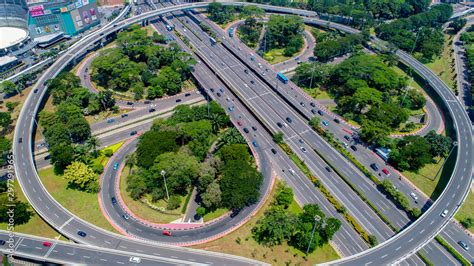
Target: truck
x,y
282,78
212,40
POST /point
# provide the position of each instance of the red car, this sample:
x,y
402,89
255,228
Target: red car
x,y
166,233
238,123
47,244
385,171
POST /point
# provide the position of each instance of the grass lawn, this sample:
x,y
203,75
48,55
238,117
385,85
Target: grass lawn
x,y
140,209
318,94
467,209
36,225
84,205
442,66
424,179
275,56
213,215
241,243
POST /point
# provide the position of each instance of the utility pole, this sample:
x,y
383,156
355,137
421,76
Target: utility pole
x,y
317,218
163,173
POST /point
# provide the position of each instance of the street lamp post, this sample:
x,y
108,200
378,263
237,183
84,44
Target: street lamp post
x,y
163,173
317,218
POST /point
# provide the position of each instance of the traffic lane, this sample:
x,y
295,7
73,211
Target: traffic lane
x,y
453,233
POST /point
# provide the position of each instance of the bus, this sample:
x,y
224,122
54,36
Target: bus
x,y
282,78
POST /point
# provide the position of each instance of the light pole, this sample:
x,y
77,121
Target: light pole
x,y
317,218
163,173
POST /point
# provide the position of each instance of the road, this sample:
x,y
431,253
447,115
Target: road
x,y
406,249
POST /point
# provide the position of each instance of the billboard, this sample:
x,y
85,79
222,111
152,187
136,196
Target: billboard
x,y
36,11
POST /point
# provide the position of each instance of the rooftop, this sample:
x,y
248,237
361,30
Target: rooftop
x,y
10,36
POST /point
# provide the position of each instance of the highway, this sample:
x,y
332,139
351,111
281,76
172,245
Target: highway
x,y
23,123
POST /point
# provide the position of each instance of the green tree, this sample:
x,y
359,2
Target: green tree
x,y
467,222
373,240
81,176
201,211
21,210
278,137
220,13
173,202
8,87
5,120
439,144
230,136
152,144
235,152
411,153
276,227
5,146
284,196
211,199
314,122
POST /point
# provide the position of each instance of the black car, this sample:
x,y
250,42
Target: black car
x,y
337,120
218,94
312,104
178,100
147,102
133,133
302,104
211,89
246,130
314,111
246,71
35,90
81,233
289,120
320,113
187,94
2,242
274,151
279,124
254,128
151,110
252,81
353,147
129,103
328,169
374,166
20,140
347,137
124,115
114,200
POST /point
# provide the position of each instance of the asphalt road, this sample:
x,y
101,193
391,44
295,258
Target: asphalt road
x,y
407,249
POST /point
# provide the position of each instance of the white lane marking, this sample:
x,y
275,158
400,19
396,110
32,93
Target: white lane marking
x,y
119,262
410,240
64,224
398,248
384,256
103,260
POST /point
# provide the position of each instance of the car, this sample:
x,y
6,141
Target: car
x,y
2,242
111,120
35,90
221,90
279,124
303,149
444,213
374,166
289,119
312,104
385,171
47,244
211,89
246,130
414,196
337,121
134,259
81,233
302,104
246,71
227,99
116,165
353,147
230,108
320,113
463,245
252,81
147,102
166,233
114,201
151,110
314,111
292,171
328,168
301,141
254,143
187,94
20,140
129,103
218,94
124,115
325,123
126,217
274,151
347,137
178,100
239,123
254,128
133,133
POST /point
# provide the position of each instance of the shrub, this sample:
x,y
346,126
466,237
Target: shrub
x,y
108,153
173,202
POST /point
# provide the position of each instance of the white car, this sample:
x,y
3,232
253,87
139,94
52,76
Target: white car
x,y
135,259
303,149
292,171
444,213
414,196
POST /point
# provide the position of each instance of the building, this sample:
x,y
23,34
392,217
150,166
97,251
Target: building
x,y
13,25
7,62
71,17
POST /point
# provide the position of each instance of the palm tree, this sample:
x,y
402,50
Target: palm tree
x,y
130,162
92,144
217,121
231,136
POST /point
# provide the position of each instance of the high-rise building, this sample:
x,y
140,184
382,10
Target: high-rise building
x,y
67,16
13,24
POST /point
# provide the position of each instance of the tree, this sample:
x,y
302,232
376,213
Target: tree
x,y
79,129
8,206
230,136
5,146
458,24
276,227
107,99
311,75
439,144
374,132
152,144
62,154
235,152
92,144
467,222
201,211
284,196
8,87
212,197
373,240
252,11
220,13
314,122
81,176
173,202
284,32
169,80
5,120
411,153
240,184
278,137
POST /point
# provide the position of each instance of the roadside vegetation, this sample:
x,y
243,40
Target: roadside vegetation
x,y
468,39
177,149
140,69
242,242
